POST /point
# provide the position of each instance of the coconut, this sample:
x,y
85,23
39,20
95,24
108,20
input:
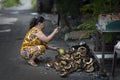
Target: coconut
x,y
91,69
49,64
61,51
63,74
88,61
74,60
63,62
78,61
82,51
56,66
68,66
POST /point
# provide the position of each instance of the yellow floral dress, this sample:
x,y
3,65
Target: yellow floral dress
x,y
32,44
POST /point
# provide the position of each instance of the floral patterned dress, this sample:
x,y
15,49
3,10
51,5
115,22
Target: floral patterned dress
x,y
32,44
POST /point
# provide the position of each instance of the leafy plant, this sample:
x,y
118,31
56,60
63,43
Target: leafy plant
x,y
92,10
109,38
87,26
34,4
100,6
88,29
68,7
9,3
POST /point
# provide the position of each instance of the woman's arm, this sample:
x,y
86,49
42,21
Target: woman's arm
x,y
45,38
53,48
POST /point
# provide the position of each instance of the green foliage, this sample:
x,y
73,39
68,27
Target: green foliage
x,y
108,38
68,7
100,6
85,10
87,26
34,3
87,33
9,3
97,7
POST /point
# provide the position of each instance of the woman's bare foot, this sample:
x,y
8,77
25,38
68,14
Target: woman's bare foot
x,y
32,63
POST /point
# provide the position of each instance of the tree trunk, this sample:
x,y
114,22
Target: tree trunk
x,y
44,5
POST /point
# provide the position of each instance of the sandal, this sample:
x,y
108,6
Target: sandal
x,y
32,63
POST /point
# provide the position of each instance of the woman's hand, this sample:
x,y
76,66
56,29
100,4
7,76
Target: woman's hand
x,y
56,30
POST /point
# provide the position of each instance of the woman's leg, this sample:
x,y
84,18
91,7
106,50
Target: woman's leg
x,y
30,54
35,52
29,57
31,61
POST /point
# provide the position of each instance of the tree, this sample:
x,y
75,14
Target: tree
x,y
100,6
67,8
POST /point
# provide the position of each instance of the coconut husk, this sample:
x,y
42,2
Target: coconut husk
x,y
82,51
91,69
63,74
73,61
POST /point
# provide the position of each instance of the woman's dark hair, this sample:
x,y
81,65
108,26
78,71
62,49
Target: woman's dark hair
x,y
34,21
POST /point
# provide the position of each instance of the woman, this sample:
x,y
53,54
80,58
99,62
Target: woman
x,y
35,41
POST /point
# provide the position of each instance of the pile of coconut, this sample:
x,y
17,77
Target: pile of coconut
x,y
77,58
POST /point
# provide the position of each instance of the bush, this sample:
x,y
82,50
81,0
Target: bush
x,y
34,4
9,3
87,26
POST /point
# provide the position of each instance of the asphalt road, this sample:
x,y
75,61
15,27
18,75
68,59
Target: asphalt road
x,y
12,66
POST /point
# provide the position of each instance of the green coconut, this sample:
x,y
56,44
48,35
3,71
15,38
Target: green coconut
x,y
61,51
